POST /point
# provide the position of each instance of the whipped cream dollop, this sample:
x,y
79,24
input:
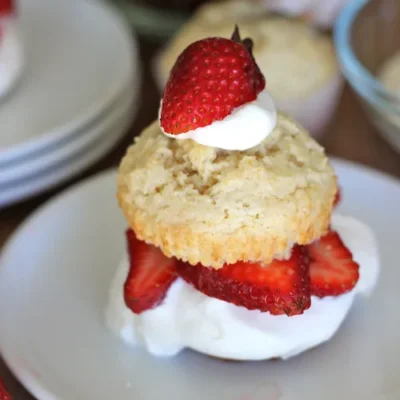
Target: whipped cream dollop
x,y
246,127
189,319
11,54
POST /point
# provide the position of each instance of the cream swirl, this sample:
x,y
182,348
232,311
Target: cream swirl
x,y
246,127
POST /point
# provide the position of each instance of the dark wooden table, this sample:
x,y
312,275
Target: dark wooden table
x,y
349,136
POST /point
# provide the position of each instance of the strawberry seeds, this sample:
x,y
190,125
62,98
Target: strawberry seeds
x,y
210,79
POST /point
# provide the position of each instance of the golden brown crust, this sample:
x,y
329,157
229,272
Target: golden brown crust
x,y
253,206
210,250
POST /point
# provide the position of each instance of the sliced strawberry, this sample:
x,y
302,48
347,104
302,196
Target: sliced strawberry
x,y
4,395
150,275
282,287
6,7
338,197
332,268
210,79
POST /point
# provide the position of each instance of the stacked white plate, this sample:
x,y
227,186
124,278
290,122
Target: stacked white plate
x,y
76,99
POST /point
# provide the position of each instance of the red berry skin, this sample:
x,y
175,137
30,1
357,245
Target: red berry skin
x,y
210,79
4,395
338,198
332,269
151,274
282,287
7,7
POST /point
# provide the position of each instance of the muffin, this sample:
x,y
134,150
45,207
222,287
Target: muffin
x,y
205,205
232,250
299,61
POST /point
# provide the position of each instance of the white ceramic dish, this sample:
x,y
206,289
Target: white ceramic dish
x,y
55,275
60,152
80,55
110,132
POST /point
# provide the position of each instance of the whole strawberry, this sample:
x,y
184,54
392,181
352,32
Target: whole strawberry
x,y
210,79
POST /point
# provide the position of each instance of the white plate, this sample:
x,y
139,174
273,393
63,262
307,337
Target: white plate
x,y
54,280
80,55
60,152
110,134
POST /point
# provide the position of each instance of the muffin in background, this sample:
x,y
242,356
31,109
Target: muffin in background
x,y
299,61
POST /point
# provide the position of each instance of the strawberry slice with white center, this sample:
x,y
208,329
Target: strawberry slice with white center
x,y
210,79
150,275
332,269
282,287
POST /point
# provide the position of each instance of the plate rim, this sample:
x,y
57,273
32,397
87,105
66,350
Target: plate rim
x,y
17,195
30,167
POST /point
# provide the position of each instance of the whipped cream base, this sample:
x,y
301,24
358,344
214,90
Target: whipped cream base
x,y
246,127
11,54
189,319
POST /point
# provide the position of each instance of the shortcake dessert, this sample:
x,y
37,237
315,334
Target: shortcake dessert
x,y
232,249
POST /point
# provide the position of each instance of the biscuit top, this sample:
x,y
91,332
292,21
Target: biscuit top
x,y
203,204
295,58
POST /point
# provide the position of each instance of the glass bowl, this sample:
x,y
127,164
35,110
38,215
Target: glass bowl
x,y
367,35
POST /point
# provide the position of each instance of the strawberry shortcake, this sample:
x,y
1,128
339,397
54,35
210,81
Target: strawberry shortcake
x,y
232,248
